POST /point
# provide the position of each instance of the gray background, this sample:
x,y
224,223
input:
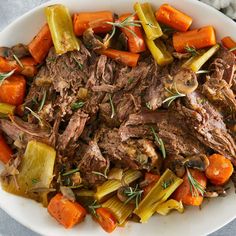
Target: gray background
x,y
10,10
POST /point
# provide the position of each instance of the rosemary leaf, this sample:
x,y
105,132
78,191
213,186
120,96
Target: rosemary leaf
x,y
159,142
18,61
133,193
42,101
35,181
112,107
174,95
166,183
191,50
4,76
35,115
75,106
92,208
70,172
102,174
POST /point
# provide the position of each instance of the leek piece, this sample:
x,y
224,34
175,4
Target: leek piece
x,y
112,185
196,62
35,172
120,210
148,20
7,109
166,207
159,52
161,191
61,27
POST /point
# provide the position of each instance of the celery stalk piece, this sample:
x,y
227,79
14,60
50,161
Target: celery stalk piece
x,y
61,27
161,191
35,173
120,210
159,52
148,20
7,109
196,62
112,185
166,207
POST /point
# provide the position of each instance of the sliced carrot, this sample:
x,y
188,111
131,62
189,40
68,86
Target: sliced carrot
x,y
66,212
198,38
41,44
95,20
7,66
136,42
106,219
219,170
127,58
5,151
174,18
12,90
229,43
184,193
151,179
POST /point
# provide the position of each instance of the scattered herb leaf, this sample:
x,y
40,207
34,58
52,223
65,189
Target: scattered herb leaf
x,y
42,101
102,174
75,106
191,50
133,193
70,172
35,115
112,107
80,65
4,76
18,61
167,183
35,181
160,142
130,80
92,208
174,95
232,49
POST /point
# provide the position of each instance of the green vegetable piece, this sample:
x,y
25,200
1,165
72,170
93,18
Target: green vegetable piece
x,y
148,20
61,27
159,52
37,164
157,195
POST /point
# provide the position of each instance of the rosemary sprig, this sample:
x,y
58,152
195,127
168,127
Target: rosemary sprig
x,y
232,49
191,50
42,101
203,72
18,61
35,115
75,106
70,172
92,208
165,184
4,76
195,186
112,107
160,142
124,24
133,193
102,174
176,94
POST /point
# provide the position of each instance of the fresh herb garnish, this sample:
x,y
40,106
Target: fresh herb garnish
x,y
232,49
130,80
191,50
174,95
165,184
18,61
102,174
133,193
112,107
75,106
35,181
148,105
152,26
195,186
35,115
203,72
92,208
4,76
51,59
70,172
124,24
42,101
80,65
160,142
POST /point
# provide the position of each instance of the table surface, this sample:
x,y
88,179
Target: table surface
x,y
10,10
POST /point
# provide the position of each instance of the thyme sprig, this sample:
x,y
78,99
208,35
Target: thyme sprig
x,y
160,142
195,187
133,193
4,76
113,113
92,208
124,24
174,95
191,50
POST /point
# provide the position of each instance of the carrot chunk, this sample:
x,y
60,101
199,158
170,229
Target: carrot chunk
x,y
41,44
136,42
219,170
5,151
127,58
198,38
151,179
174,18
12,90
185,192
66,212
229,43
95,20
